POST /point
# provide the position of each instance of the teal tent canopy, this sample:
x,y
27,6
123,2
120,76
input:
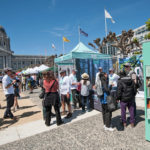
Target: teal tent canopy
x,y
83,60
80,52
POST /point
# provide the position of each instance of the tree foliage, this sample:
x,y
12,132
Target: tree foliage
x,y
148,24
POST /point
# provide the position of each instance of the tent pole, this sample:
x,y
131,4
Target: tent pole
x,y
63,47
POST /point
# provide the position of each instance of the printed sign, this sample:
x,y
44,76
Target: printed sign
x,y
148,113
147,71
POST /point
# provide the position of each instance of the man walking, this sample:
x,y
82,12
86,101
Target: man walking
x,y
9,92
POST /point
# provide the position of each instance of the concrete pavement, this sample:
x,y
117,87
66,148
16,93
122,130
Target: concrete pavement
x,y
83,131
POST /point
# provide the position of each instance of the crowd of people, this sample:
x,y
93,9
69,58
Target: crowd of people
x,y
57,92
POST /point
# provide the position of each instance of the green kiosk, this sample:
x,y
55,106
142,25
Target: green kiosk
x,y
146,59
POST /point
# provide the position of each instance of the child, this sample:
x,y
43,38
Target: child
x,y
85,87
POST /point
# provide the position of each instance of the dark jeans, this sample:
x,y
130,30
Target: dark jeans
x,y
85,100
106,115
48,114
130,106
75,99
10,103
134,107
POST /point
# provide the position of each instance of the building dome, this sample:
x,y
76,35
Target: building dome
x,y
2,29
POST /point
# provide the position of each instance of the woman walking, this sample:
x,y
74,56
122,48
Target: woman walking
x,y
50,85
105,112
85,87
16,86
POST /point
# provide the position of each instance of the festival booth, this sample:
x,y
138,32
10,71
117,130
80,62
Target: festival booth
x,y
83,59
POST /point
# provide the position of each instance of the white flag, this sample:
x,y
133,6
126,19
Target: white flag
x,y
107,15
53,46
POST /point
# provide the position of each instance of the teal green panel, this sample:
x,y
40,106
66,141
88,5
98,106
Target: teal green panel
x,y
61,64
146,61
146,53
63,58
90,56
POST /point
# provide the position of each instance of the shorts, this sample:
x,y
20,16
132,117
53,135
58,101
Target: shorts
x,y
65,99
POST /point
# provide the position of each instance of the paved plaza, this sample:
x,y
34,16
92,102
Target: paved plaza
x,y
84,131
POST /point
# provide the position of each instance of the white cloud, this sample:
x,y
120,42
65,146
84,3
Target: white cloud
x,y
52,4
56,34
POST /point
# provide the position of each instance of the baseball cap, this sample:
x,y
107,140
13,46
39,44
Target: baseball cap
x,y
7,69
100,68
74,70
62,71
111,69
127,65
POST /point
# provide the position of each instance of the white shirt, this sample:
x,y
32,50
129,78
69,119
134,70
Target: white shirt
x,y
64,85
7,80
73,79
85,88
113,79
97,76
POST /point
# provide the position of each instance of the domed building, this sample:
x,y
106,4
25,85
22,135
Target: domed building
x,y
16,62
5,51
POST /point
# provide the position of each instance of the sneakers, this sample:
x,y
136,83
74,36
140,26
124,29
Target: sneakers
x,y
60,123
109,129
132,125
124,125
69,115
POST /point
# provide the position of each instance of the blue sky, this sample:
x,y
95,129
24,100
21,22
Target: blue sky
x,y
33,25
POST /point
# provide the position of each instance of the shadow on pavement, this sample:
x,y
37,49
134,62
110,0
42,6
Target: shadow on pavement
x,y
27,114
7,122
117,122
74,115
25,97
26,107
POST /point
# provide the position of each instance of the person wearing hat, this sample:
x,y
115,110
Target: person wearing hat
x,y
98,73
135,78
9,92
126,91
85,88
64,85
73,86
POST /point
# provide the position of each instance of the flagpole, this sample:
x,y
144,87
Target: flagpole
x,y
79,32
63,47
106,31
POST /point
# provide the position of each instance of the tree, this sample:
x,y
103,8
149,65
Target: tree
x,y
99,44
148,24
124,42
147,36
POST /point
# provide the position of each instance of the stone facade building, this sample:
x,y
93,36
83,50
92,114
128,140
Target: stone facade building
x,y
8,59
